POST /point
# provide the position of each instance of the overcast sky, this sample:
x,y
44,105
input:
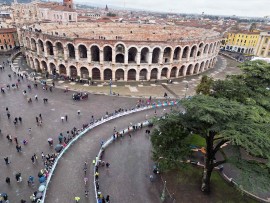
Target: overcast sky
x,y
258,8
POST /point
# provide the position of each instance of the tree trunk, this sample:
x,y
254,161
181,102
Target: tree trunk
x,y
208,163
206,181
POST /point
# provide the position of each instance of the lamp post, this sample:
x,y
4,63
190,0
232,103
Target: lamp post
x,y
110,86
186,89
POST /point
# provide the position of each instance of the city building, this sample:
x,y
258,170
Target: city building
x,y
33,12
263,45
8,39
118,51
242,42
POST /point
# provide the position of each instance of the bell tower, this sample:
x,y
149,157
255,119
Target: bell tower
x,y
68,3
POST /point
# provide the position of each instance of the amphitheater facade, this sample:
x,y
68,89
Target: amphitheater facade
x,y
117,51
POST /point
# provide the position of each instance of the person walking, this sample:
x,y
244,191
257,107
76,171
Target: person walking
x,y
29,131
33,159
66,117
79,112
42,156
40,117
108,165
16,140
8,180
8,115
18,177
20,119
108,199
37,120
6,160
77,199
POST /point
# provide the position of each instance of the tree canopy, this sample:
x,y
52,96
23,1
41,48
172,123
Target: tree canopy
x,y
234,111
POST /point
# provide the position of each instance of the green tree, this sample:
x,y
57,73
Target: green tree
x,y
218,121
205,85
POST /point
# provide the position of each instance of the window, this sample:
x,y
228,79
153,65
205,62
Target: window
x,y
2,47
266,40
69,17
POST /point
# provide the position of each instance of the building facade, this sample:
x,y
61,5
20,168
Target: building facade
x,y
242,42
263,46
140,52
8,39
33,12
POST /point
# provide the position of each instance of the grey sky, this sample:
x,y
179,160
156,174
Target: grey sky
x,y
258,8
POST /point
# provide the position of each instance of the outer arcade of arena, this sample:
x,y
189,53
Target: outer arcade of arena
x,y
119,59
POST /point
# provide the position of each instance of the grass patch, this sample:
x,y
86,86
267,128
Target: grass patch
x,y
186,187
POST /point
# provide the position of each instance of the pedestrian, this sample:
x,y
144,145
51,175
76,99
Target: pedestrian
x,y
23,201
96,175
42,156
33,159
37,120
8,180
62,119
86,193
60,138
30,180
19,148
36,97
108,164
8,115
18,177
9,138
40,116
53,84
6,160
20,119
66,117
16,140
50,88
6,108
108,199
77,199
79,112
29,131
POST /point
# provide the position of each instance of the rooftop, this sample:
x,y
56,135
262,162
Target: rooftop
x,y
132,32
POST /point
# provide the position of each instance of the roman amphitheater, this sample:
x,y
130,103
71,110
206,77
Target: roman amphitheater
x,y
118,51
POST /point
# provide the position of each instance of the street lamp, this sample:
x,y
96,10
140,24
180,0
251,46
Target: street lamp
x,y
110,86
186,89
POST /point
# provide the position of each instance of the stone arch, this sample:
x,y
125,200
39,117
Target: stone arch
x,y
27,42
41,46
205,50
96,74
185,52
154,74
52,69
71,51
62,70
201,67
193,51
156,55
107,53
84,72
119,74
206,65
32,63
189,70
37,65
131,74
33,45
182,71
44,66
144,55
107,74
49,47
120,58
120,51
73,71
173,72
59,49
143,74
167,55
164,72
132,54
214,47
177,53
196,68
82,51
95,53
210,48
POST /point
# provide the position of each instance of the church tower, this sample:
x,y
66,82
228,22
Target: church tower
x,y
68,3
